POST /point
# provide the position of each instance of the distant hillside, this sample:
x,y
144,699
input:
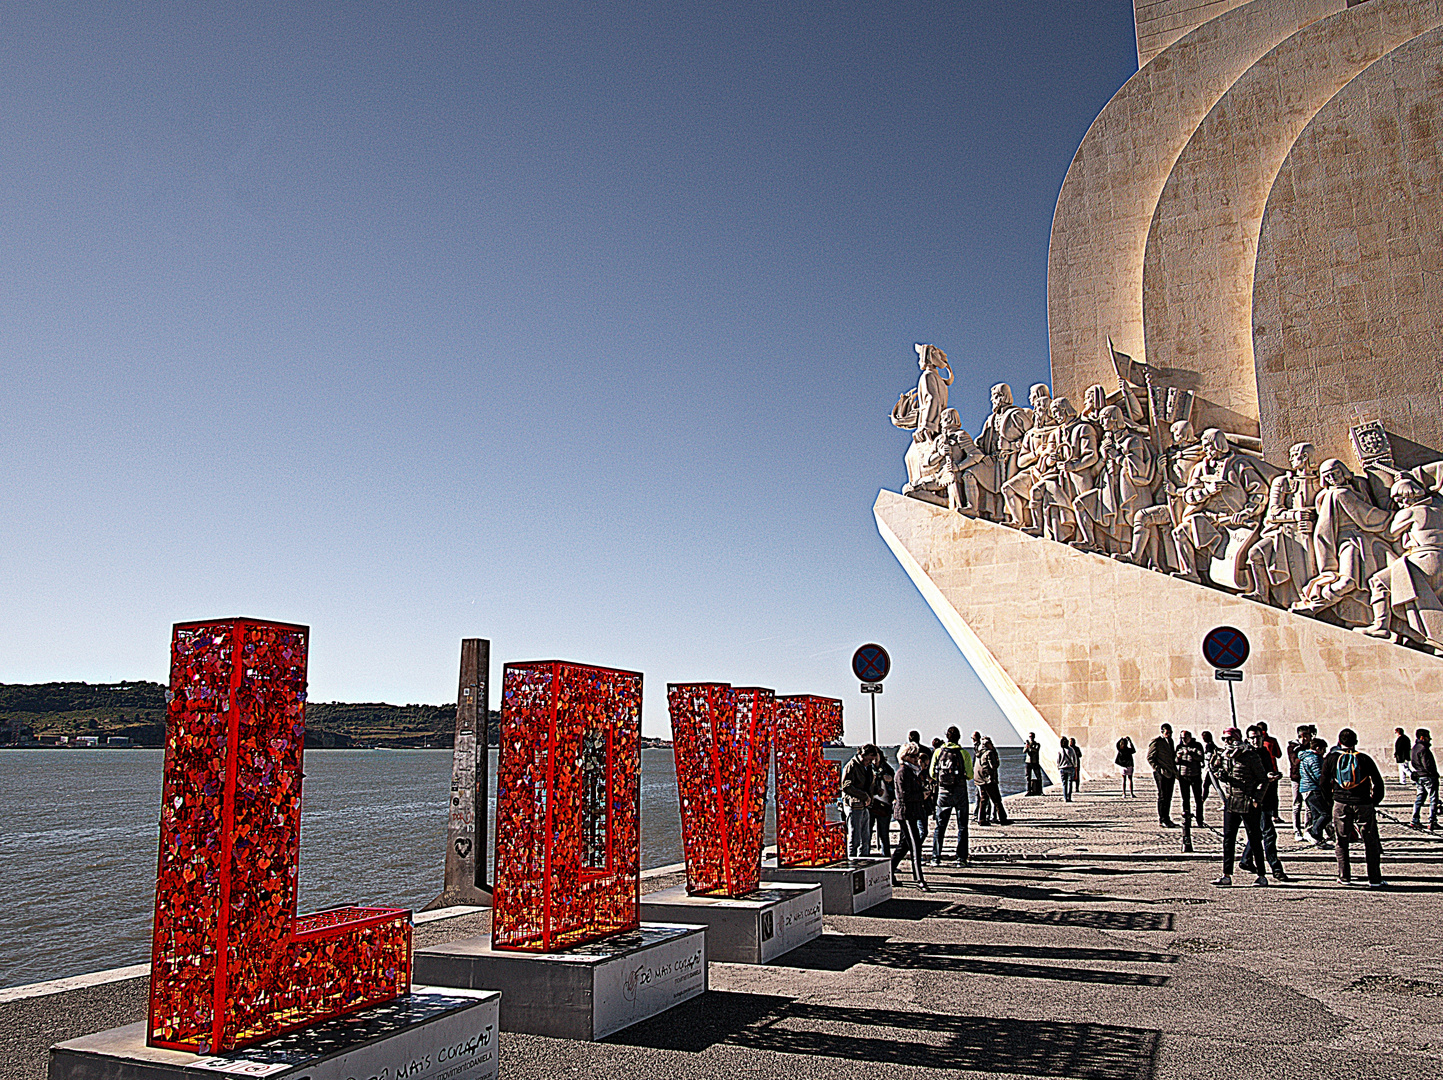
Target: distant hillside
x,y
136,710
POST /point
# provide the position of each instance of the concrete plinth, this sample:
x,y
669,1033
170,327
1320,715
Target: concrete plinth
x,y
584,993
751,929
431,1033
848,887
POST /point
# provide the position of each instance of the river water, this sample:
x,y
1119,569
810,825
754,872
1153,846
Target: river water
x,y
79,835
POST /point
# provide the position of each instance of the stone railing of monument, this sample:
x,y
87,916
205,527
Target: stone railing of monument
x,y
1128,478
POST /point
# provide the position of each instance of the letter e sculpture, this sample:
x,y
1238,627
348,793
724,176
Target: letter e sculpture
x,y
807,782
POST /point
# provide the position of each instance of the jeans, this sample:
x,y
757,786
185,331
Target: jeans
x,y
884,833
1034,772
910,843
1362,820
1318,815
990,800
1164,796
1069,783
1427,795
948,801
1297,808
1268,837
1248,819
1191,786
859,832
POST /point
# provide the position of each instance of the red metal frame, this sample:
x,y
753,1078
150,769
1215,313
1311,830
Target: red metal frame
x,y
231,964
723,745
546,897
807,783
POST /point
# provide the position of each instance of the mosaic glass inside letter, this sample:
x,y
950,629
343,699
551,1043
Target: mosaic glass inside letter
x,y
231,965
807,783
568,841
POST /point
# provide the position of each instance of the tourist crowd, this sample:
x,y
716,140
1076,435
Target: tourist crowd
x,y
1335,792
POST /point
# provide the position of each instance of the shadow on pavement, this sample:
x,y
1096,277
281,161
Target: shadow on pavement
x,y
881,1037
839,952
905,908
1090,920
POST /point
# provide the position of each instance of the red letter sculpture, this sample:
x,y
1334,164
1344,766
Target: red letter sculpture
x,y
568,840
231,964
723,741
807,782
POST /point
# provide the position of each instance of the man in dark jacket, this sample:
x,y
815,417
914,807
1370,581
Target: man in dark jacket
x,y
1357,791
1425,774
1189,777
1241,777
1258,858
1162,758
1402,755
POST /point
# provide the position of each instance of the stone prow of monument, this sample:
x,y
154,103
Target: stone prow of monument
x,y
1071,643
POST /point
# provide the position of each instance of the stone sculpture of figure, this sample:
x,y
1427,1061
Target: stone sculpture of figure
x,y
1094,400
920,410
1152,539
931,391
1017,488
1124,484
1000,438
1226,494
1069,465
1408,592
1281,562
1347,547
953,463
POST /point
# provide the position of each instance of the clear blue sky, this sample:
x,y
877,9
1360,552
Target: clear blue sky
x,y
573,326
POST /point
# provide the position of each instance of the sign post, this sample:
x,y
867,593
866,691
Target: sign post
x,y
871,663
1226,649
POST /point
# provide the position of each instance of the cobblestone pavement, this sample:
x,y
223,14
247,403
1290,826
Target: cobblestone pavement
x,y
1080,943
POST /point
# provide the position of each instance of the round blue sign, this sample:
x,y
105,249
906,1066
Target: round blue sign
x,y
1225,647
871,663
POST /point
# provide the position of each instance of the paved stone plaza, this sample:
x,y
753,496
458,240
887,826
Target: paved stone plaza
x,y
1082,944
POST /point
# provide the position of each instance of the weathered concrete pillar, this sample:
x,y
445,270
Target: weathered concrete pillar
x,y
466,871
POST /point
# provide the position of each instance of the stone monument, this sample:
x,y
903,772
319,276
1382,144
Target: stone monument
x,y
1267,452
467,825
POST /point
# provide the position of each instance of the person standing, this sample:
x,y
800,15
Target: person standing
x,y
1076,761
951,768
931,787
1403,756
989,786
1257,858
1424,769
1032,763
1126,759
882,796
857,781
1295,750
1272,803
926,752
1209,749
1240,776
1315,796
1357,791
1162,759
1067,769
910,810
976,790
1189,777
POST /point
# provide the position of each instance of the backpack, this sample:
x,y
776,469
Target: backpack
x,y
949,767
1347,774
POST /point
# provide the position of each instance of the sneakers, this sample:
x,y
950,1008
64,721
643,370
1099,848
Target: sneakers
x,y
1224,881
1416,825
1278,874
1262,879
1377,884
1345,881
1299,838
